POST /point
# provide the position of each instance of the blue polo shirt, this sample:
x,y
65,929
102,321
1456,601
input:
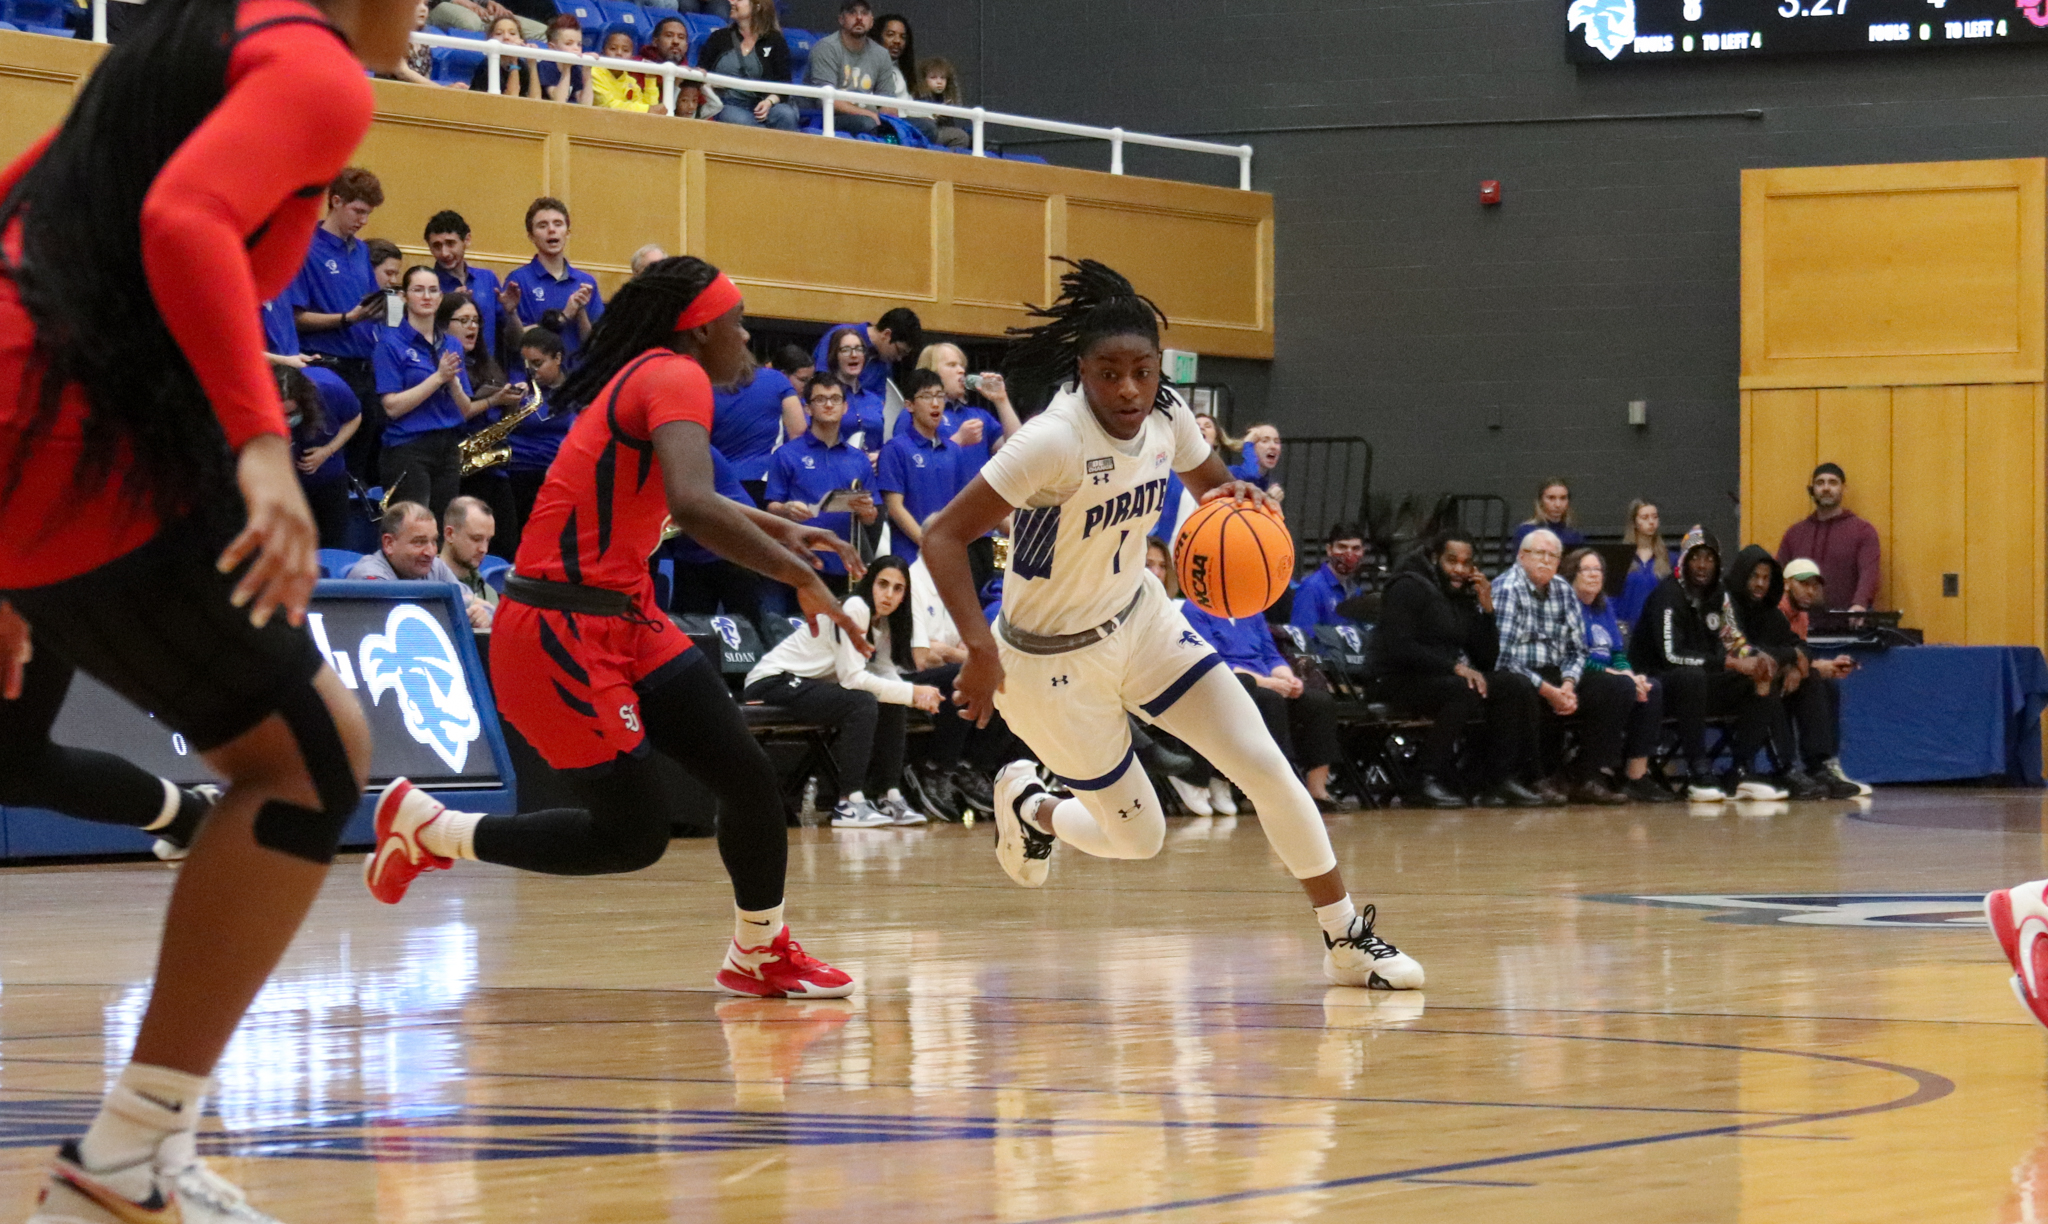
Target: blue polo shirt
x,y
725,481
280,329
925,473
805,469
972,458
1316,599
338,406
405,359
482,288
333,280
1248,471
1244,642
864,416
535,440
746,421
540,292
872,375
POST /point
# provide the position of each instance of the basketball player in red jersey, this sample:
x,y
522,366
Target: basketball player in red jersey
x,y
593,673
136,245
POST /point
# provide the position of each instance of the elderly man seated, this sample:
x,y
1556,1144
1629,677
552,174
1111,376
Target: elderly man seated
x,y
1543,639
411,552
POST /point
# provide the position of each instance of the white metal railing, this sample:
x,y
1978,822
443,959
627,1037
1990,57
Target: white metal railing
x,y
495,52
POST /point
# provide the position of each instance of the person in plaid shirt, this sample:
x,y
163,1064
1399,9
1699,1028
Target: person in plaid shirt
x,y
1543,638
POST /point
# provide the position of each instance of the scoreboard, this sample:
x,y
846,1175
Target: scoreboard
x,y
1625,31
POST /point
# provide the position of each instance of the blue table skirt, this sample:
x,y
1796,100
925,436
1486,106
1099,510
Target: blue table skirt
x,y
1945,713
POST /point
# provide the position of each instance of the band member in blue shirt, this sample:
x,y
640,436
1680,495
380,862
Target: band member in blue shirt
x,y
889,339
536,439
847,356
917,473
448,242
750,416
549,282
425,388
337,304
705,582
814,464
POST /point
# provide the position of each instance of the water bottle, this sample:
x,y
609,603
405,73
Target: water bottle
x,y
810,803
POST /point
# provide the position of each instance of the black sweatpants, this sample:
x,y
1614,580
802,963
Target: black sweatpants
x,y
1510,708
526,483
692,719
949,731
855,713
425,468
1305,727
360,454
1606,702
1815,711
1692,695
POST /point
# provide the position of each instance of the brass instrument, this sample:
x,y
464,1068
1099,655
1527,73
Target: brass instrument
x,y
487,447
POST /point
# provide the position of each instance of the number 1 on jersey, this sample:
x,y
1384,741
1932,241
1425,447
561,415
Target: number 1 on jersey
x,y
1116,564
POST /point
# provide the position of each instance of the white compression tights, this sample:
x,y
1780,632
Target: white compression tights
x,y
1217,719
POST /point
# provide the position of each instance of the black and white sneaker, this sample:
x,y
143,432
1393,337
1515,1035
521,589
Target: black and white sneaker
x,y
1832,777
1362,958
1023,848
174,840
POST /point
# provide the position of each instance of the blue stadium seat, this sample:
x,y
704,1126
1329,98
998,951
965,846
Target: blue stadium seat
x,y
492,565
335,562
702,26
800,44
452,64
590,15
631,16
41,16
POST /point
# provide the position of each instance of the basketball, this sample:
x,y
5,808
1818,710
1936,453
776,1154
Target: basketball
x,y
1233,560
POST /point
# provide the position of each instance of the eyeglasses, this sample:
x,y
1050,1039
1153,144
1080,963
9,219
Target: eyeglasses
x,y
851,348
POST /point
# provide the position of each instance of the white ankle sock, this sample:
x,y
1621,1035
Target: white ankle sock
x,y
856,797
452,834
756,928
1336,917
146,1106
173,799
895,794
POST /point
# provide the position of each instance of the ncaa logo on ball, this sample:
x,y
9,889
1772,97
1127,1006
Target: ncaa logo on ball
x,y
1198,578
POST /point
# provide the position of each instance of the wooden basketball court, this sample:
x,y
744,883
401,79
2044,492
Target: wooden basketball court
x,y
1745,1013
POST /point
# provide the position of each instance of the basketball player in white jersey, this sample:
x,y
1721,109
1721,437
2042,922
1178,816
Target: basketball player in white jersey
x,y
1087,633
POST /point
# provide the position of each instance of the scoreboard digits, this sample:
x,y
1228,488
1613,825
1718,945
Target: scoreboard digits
x,y
1623,31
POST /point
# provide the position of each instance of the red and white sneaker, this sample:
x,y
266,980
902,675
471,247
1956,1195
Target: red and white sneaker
x,y
782,970
2019,918
398,858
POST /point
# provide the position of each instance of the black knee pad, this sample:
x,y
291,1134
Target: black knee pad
x,y
302,832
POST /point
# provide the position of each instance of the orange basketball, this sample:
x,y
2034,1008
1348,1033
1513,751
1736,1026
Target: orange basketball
x,y
1233,560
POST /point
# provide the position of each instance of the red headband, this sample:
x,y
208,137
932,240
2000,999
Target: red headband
x,y
718,297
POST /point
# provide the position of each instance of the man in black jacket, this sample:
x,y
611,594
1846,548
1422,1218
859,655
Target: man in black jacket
x,y
1679,639
1432,655
1755,586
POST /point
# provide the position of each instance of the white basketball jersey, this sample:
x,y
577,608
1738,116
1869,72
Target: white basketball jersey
x,y
1085,503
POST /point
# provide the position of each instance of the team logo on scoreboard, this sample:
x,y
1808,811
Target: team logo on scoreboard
x,y
414,659
1610,24
1894,911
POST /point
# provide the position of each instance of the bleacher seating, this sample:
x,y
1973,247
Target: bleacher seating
x,y
702,26
623,13
800,44
335,562
590,16
452,65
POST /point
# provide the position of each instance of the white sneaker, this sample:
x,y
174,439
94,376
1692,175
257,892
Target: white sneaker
x,y
188,1193
1024,849
1705,792
1194,798
1220,797
1362,958
858,814
900,813
1760,788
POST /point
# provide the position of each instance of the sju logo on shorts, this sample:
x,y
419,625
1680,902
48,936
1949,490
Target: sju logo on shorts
x,y
414,659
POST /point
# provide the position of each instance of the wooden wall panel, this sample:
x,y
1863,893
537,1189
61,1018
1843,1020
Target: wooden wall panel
x,y
1893,275
2002,564
818,230
1928,510
1782,431
1853,428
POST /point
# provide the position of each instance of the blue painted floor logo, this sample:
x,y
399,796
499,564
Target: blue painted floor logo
x,y
1894,911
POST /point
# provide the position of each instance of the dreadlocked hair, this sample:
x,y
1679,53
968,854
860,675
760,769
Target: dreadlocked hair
x,y
641,316
1095,303
81,278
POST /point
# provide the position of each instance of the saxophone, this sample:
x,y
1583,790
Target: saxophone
x,y
487,447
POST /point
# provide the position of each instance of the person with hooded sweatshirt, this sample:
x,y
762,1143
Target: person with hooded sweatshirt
x,y
1433,655
1756,627
1678,641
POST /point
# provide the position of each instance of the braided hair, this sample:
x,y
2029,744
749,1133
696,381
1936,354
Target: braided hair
x,y
80,274
640,316
1095,303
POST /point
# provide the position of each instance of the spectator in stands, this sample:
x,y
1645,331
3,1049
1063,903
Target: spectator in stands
x,y
1543,639
706,583
322,418
549,283
918,472
1159,560
1303,721
749,421
851,60
820,677
417,68
424,380
536,439
1834,538
1553,513
979,432
938,81
1649,561
1261,456
1433,654
460,317
669,44
1757,626
893,33
864,409
1816,707
1678,641
752,47
793,363
336,303
566,82
1340,578
411,552
466,530
517,78
1231,449
808,468
1605,654
387,266
447,239
618,89
474,16
891,338
647,256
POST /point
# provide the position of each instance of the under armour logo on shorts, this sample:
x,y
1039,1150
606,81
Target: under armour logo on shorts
x,y
1058,680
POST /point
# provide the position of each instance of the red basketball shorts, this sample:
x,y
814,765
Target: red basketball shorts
x,y
571,682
